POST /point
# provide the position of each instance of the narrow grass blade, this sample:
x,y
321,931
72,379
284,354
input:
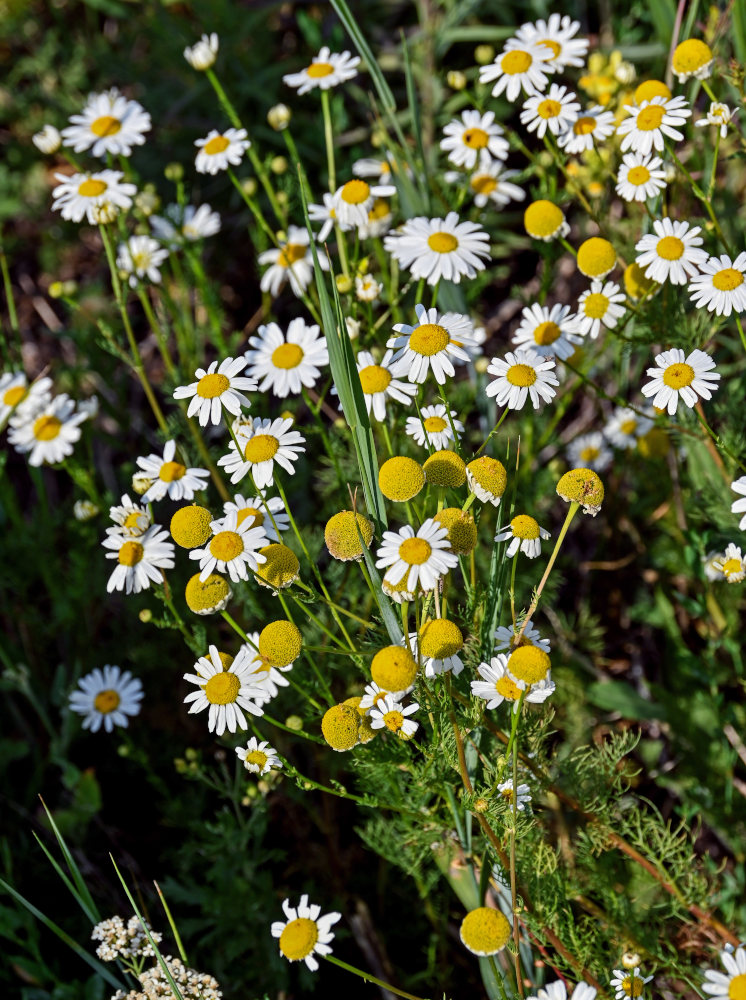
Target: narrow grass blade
x,y
91,914
414,113
387,612
78,879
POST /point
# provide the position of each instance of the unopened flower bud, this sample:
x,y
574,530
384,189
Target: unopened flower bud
x,y
279,117
456,80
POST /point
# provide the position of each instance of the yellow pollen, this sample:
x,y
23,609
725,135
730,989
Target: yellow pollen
x,y
401,478
291,253
516,61
394,721
226,545
250,512
222,689
257,757
434,424
670,248
380,210
46,428
679,375
508,689
171,471
737,988
261,448
318,69
550,44
628,426
415,551
732,566
355,192
374,378
210,386
14,396
287,356
638,175
546,333
132,520
632,987
130,554
595,305
106,125
106,701
584,125
524,526
218,144
92,188
521,375
429,339
475,138
442,242
650,117
548,109
727,279
483,184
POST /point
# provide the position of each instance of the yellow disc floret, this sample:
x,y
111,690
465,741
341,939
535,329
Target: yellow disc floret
x,y
401,478
461,528
582,486
485,931
636,285
529,664
281,568
543,219
340,727
190,526
649,89
596,257
440,638
208,596
691,57
342,538
393,668
222,689
445,468
280,643
489,474
298,939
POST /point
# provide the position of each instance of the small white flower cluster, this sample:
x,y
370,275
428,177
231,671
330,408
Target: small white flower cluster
x,y
123,941
42,426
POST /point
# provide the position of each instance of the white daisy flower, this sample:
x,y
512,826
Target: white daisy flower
x,y
557,37
139,560
291,261
187,224
430,345
640,177
421,558
367,289
140,258
217,387
327,69
220,150
110,123
505,637
107,697
287,362
233,549
524,534
721,287
202,54
679,377
353,201
382,170
131,520
48,140
521,795
263,442
47,432
434,430
599,306
389,713
268,513
732,564
549,332
259,758
379,383
589,128
556,111
673,251
518,68
625,428
298,939
439,248
646,125
490,183
226,692
739,506
170,478
729,984
374,695
18,398
717,114
628,984
711,564
589,451
497,684
85,194
473,137
522,375
324,213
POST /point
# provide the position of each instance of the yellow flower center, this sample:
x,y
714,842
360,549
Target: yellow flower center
x,y
222,689
106,125
218,144
440,638
584,125
650,118
287,356
670,248
649,89
250,512
261,448
727,279
374,378
133,520
595,305
517,61
475,138
524,526
171,471
547,333
508,688
429,339
628,426
679,375
483,184
548,109
210,386
589,454
434,424
632,987
733,565
550,44
258,758
442,242
46,428
14,396
380,210
106,701
415,551
529,664
523,375
355,192
542,219
638,175
130,554
737,988
318,69
291,253
92,188
691,55
394,720
226,545
299,938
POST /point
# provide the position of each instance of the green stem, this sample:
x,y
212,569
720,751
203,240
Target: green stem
x,y
574,506
172,925
492,432
329,140
9,298
156,328
371,979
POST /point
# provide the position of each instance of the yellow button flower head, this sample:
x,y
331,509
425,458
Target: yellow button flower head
x,y
342,538
366,731
596,257
209,596
340,727
584,487
280,643
529,664
446,469
394,668
485,931
649,89
487,479
281,568
544,220
692,58
440,638
401,478
636,285
462,531
190,526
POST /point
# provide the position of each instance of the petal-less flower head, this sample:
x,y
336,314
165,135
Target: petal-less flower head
x,y
263,442
139,560
590,127
438,644
487,479
281,568
393,669
732,565
305,932
340,727
692,57
202,54
649,89
640,177
474,136
445,468
190,526
421,558
48,140
555,111
557,36
347,534
679,377
110,123
48,431
518,67
626,427
327,69
430,345
636,284
519,376
217,387
400,479
439,248
731,984
646,125
521,796
739,506
582,486
268,513
589,450
485,931
391,714
232,549
671,252
85,194
379,383
169,477
353,201
461,527
291,262
226,691
139,258
598,307
287,362
717,114
108,698
544,220
180,225
434,430
259,758
209,597
721,287
629,984
596,257
548,332
524,534
220,150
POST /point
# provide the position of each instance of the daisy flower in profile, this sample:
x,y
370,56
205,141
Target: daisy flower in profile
x,y
305,932
640,177
628,984
421,558
543,220
391,714
727,985
187,224
518,68
732,565
672,251
473,137
379,383
170,478
259,758
679,377
692,57
108,698
220,150
226,692
215,388
438,644
287,362
739,506
48,140
590,127
327,69
86,194
47,432
490,183
434,430
268,513
233,549
292,262
353,201
549,332
646,125
430,345
524,534
721,287
589,451
110,123
521,795
130,519
139,560
557,35
439,248
202,54
263,442
717,114
599,306
374,694
625,427
505,637
139,258
556,111
522,375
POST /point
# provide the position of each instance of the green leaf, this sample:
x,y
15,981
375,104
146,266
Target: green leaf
x,y
615,696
